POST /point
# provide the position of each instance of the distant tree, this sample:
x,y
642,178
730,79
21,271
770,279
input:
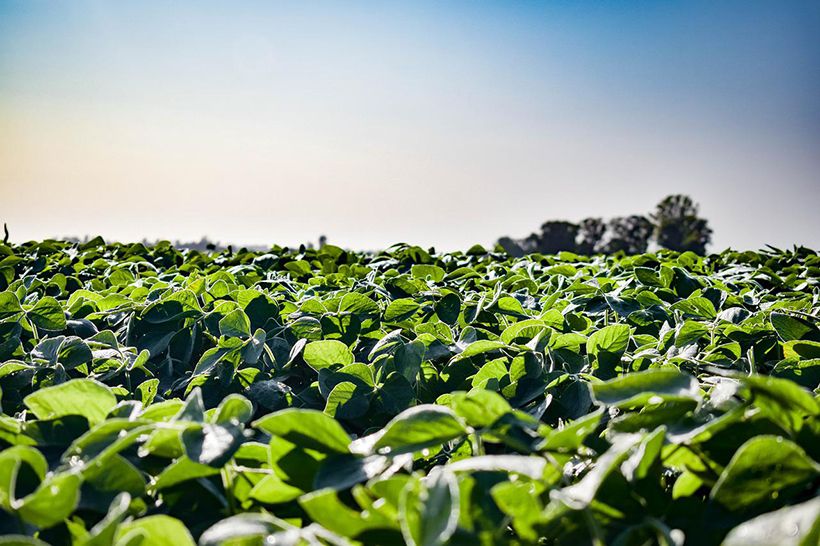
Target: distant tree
x,y
678,227
629,234
556,236
530,243
675,224
591,232
511,246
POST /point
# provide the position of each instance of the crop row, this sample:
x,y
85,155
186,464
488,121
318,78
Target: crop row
x,y
153,396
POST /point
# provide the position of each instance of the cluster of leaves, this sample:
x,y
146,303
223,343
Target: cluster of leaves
x,y
161,397
674,225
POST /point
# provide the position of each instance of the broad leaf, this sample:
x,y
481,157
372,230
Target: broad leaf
x,y
84,397
307,428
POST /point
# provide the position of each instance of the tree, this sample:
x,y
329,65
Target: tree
x,y
554,237
531,243
557,236
678,226
675,225
511,246
629,234
591,233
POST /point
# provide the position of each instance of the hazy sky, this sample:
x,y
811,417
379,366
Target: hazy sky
x,y
439,123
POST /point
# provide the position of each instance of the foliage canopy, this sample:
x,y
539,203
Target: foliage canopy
x,y
321,396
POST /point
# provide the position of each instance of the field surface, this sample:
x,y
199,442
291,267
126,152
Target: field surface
x,y
152,396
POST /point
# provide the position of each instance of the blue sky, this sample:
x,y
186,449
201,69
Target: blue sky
x,y
441,123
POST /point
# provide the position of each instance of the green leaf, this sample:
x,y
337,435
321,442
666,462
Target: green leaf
x,y
524,331
233,409
581,494
801,349
608,345
176,306
306,428
182,470
242,529
797,525
300,267
647,276
9,305
102,534
193,410
10,461
572,435
690,332
491,375
479,347
781,400
805,373
520,502
113,474
326,353
418,428
479,408
532,467
347,401
212,445
448,308
341,472
85,397
254,347
21,540
358,304
764,469
106,438
429,508
210,358
790,328
686,485
697,306
637,389
401,309
508,305
48,314
610,339
638,464
52,502
325,508
273,490
159,530
408,359
235,324
396,394
422,271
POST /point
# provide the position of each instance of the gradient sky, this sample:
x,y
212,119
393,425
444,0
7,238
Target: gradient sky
x,y
439,123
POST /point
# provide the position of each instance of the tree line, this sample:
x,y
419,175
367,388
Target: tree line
x,y
675,224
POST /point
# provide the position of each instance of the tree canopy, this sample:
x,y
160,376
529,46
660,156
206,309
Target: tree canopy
x,y
674,224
